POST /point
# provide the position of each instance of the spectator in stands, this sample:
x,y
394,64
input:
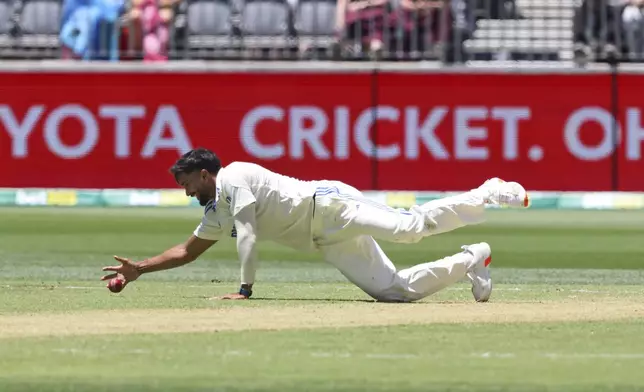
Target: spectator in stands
x,y
462,28
422,26
90,29
149,21
598,30
363,22
419,25
495,9
634,28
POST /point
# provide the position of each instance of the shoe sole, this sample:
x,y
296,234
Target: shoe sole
x,y
485,298
488,293
473,277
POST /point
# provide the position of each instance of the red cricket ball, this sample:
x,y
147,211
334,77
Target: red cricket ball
x,y
115,285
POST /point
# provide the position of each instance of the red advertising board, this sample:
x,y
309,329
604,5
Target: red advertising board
x,y
390,131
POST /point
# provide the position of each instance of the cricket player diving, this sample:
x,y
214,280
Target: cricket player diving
x,y
256,204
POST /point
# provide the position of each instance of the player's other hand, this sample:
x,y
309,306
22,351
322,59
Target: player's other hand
x,y
127,271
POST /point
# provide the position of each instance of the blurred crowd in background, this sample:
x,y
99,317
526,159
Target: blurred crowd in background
x,y
450,31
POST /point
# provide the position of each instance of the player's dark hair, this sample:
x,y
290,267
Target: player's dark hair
x,y
196,160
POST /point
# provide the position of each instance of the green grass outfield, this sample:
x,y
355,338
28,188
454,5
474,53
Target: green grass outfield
x,y
567,313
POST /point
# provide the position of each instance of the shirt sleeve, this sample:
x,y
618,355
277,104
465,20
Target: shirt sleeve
x,y
209,230
236,188
247,243
241,197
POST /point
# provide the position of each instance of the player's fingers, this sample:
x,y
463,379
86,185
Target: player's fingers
x,y
123,260
109,277
112,268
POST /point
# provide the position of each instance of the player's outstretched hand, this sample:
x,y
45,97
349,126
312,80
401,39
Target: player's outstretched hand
x,y
127,271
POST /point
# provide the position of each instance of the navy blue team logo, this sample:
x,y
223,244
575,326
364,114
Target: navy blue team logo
x,y
233,232
228,199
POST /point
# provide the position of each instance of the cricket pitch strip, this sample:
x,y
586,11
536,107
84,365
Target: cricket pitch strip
x,y
298,316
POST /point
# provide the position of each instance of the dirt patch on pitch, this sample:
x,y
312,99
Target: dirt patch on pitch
x,y
308,316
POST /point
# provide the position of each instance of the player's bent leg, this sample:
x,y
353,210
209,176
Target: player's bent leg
x,y
363,263
426,279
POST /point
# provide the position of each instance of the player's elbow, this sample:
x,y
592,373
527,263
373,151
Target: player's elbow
x,y
188,258
184,255
246,240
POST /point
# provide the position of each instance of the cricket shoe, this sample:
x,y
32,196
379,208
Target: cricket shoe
x,y
479,272
505,194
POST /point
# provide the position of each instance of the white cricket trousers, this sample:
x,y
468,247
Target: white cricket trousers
x,y
346,225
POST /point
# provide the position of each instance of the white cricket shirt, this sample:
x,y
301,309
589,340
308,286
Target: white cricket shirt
x,y
283,205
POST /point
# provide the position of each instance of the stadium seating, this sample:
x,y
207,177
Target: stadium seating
x,y
35,29
265,24
483,30
542,31
6,25
209,28
314,25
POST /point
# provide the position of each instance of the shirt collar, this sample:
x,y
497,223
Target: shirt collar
x,y
212,204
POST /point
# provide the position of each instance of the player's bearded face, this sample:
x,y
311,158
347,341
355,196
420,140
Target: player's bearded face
x,y
204,195
205,188
199,185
